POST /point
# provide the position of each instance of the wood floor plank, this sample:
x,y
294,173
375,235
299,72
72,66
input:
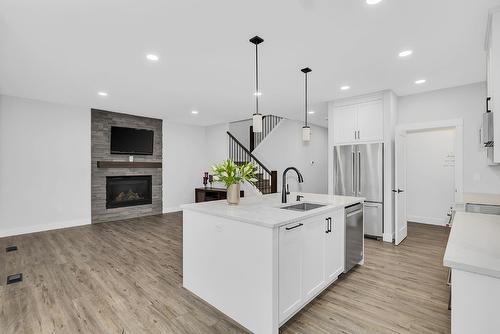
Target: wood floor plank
x,y
126,277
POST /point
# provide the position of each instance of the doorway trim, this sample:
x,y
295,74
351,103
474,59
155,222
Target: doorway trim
x,y
457,125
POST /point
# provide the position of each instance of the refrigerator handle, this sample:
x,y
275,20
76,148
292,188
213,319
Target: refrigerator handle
x,y
353,173
359,172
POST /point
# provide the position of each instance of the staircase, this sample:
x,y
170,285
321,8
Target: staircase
x,y
267,180
269,122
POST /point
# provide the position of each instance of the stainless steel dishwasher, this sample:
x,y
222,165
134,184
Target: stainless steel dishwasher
x,y
353,235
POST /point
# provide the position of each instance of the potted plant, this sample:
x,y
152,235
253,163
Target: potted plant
x,y
232,175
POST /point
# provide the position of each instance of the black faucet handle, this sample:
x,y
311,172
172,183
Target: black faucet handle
x,y
287,189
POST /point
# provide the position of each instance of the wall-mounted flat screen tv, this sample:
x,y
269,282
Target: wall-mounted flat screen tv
x,y
131,141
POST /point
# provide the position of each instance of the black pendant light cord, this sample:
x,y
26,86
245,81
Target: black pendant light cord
x,y
305,70
306,99
256,79
256,40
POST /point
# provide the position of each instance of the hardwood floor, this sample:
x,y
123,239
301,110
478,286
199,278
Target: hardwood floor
x,y
126,277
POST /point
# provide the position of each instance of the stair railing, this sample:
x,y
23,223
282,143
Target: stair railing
x,y
268,124
268,180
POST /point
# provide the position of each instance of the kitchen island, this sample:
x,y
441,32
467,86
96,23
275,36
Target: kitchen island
x,y
260,263
473,254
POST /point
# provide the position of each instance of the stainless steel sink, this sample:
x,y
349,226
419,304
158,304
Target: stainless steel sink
x,y
303,206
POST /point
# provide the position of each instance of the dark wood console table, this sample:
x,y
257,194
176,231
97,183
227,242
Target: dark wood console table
x,y
211,194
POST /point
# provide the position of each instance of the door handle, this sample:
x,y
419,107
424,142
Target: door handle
x,y
330,224
327,229
398,191
353,173
293,227
359,173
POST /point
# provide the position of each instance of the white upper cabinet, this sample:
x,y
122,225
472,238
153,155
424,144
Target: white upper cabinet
x,y
363,122
345,124
371,121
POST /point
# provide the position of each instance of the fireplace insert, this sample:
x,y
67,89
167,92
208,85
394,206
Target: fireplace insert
x,y
124,191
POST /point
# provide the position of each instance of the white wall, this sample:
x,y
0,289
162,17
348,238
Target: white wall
x,y
284,147
466,102
44,166
188,152
216,144
241,131
430,175
184,161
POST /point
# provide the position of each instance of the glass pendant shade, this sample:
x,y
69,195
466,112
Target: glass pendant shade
x,y
257,122
306,133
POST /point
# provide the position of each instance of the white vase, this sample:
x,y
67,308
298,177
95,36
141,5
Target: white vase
x,y
233,194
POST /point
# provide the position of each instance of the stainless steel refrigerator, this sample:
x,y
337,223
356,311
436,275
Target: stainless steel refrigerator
x,y
359,171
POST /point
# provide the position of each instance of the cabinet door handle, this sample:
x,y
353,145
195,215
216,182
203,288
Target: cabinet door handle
x,y
330,224
293,227
327,226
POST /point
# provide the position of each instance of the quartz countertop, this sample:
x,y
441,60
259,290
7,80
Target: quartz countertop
x,y
479,198
264,210
474,244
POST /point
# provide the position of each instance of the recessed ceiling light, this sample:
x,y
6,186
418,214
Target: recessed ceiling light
x,y
102,94
420,81
194,112
405,53
152,57
257,94
311,112
345,87
373,2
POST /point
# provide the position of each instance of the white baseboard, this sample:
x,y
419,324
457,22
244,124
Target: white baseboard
x,y
43,227
172,209
388,237
427,220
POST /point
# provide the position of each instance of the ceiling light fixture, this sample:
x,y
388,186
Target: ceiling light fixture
x,y
194,112
257,117
405,53
102,94
311,112
152,57
345,87
306,129
373,2
420,81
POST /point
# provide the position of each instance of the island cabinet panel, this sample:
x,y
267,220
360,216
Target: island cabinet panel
x,y
311,256
334,246
290,269
313,260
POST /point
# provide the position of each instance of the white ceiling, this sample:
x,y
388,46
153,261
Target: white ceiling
x,y
66,51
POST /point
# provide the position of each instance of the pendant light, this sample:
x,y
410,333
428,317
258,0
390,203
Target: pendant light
x,y
306,129
257,117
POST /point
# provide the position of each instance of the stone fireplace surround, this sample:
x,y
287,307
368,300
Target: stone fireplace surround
x,y
101,123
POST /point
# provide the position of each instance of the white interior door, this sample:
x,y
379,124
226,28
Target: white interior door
x,y
401,224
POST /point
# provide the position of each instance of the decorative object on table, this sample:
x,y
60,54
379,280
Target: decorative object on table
x,y
232,175
205,179
257,117
306,129
211,180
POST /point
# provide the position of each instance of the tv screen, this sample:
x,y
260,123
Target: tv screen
x,y
131,141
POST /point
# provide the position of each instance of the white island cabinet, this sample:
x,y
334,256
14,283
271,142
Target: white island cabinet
x,y
258,263
473,254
